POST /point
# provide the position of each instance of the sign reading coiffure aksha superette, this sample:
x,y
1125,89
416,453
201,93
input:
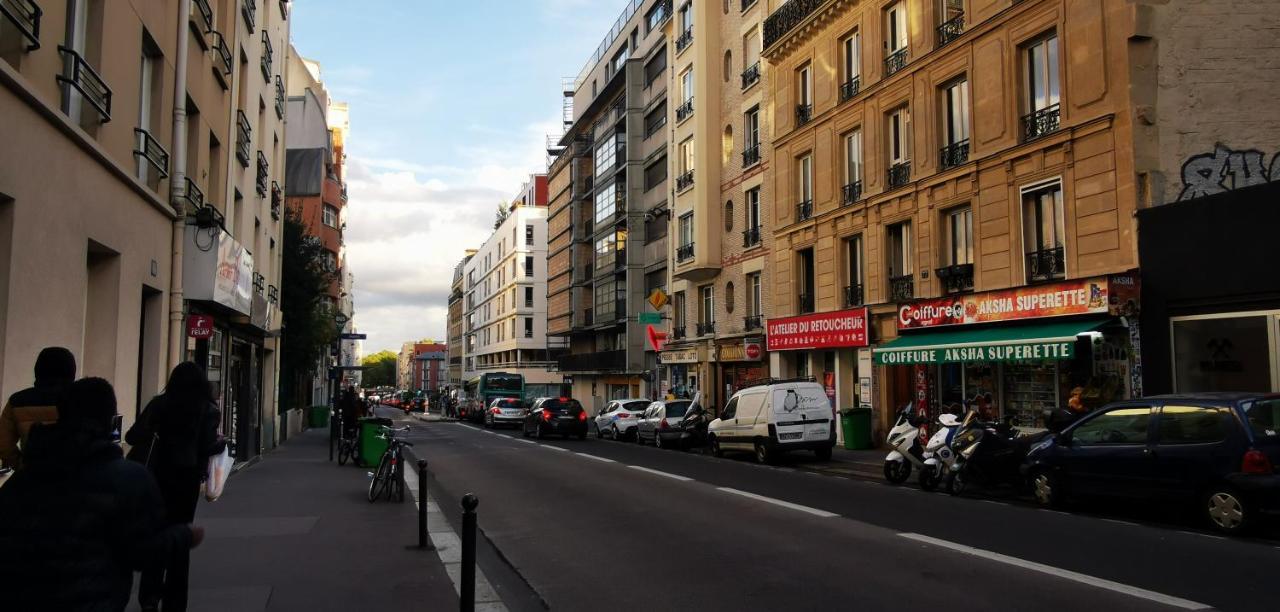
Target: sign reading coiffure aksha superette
x,y
820,330
1056,300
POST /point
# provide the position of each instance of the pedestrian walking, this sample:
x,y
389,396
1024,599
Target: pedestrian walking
x,y
174,437
55,370
79,519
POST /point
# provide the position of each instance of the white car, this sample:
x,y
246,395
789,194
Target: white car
x,y
776,418
618,419
660,423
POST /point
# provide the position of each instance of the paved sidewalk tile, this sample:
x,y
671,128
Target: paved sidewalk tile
x,y
295,532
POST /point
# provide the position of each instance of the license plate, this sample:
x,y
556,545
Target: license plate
x,y
510,413
791,435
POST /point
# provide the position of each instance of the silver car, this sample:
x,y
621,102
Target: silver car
x,y
504,411
659,422
617,419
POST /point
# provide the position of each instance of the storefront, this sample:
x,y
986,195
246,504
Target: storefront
x,y
681,372
741,363
1211,293
829,347
1015,353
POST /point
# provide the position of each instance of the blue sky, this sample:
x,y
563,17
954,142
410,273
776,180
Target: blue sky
x,y
450,106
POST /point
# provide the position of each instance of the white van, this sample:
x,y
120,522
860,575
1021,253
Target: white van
x,y
775,418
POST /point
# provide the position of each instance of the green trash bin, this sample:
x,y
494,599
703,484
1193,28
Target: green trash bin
x,y
319,417
371,446
856,425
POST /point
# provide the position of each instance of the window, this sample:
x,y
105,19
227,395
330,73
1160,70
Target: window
x,y
330,216
606,302
528,297
1043,92
900,260
853,270
960,236
655,174
686,229
955,112
1118,426
754,305
686,86
620,59
1043,232
606,203
679,313
1226,352
804,86
654,69
753,209
896,28
728,216
686,17
851,57
898,136
1192,425
655,119
707,309
805,183
751,133
528,235
528,265
805,281
686,156
606,156
853,160
528,327
656,15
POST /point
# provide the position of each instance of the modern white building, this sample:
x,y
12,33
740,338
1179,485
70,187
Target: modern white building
x,y
505,291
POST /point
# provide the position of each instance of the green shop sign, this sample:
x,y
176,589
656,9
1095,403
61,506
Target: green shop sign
x,y
961,354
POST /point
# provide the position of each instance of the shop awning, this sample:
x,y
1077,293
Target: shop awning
x,y
1001,343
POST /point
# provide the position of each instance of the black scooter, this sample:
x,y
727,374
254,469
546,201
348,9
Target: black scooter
x,y
989,454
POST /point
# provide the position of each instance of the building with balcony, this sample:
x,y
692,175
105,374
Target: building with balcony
x,y
505,295
938,160
124,207
609,216
427,367
456,326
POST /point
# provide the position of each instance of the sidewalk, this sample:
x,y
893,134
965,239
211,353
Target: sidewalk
x,y
295,532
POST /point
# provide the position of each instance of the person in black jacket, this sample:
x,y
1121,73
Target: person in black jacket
x,y
55,371
174,437
78,519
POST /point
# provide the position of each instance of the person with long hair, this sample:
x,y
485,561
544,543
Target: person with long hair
x,y
174,437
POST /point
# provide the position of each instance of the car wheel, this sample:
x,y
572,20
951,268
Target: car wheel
x,y
524,430
897,472
715,447
613,433
657,440
639,438
764,454
1226,510
537,433
823,454
930,476
1046,489
599,433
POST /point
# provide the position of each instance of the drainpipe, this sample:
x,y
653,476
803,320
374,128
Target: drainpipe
x,y
177,189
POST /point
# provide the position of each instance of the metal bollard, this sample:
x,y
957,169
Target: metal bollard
x,y
422,506
333,433
467,596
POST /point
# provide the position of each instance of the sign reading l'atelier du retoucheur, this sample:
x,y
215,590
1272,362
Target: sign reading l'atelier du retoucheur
x,y
844,328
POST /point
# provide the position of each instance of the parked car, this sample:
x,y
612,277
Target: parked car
x,y
618,418
556,415
1218,451
660,422
776,418
504,411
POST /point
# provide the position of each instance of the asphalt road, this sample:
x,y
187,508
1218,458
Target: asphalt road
x,y
598,524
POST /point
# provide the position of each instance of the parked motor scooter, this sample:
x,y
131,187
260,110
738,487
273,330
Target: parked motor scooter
x,y
988,454
939,459
904,439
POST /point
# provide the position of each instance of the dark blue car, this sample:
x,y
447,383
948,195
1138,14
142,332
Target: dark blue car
x,y
1216,450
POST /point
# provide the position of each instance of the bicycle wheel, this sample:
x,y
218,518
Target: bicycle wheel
x,y
344,452
381,477
396,485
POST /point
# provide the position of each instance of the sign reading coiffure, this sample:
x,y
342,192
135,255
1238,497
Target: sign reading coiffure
x,y
845,328
1058,299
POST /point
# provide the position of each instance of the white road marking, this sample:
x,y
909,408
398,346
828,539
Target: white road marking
x,y
524,440
554,448
778,502
1120,522
660,473
1056,512
1093,581
992,501
595,457
1203,535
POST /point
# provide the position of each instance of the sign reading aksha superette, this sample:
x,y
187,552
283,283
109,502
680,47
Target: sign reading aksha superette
x,y
1058,299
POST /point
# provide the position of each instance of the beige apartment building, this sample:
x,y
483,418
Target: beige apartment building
x,y
119,207
946,163
456,323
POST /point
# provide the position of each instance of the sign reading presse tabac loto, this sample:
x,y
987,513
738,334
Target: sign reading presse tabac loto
x,y
1059,299
844,328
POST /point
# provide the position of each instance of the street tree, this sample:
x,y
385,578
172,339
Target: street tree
x,y
305,278
379,369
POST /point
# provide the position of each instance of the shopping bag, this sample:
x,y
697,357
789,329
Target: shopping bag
x,y
219,470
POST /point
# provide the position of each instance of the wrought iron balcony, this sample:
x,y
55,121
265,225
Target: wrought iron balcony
x,y
249,8
203,15
259,283
685,39
850,88
244,138
192,195
264,175
280,97
267,56
956,278
222,53
806,303
753,322
953,154
1046,264
707,329
751,75
80,76
273,294
150,150
895,61
684,110
604,361
684,181
899,174
751,156
804,114
684,252
751,237
277,200
1040,123
25,16
951,29
679,333
787,17
804,211
284,9
853,296
851,193
902,288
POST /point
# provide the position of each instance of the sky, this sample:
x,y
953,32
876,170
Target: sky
x,y
451,103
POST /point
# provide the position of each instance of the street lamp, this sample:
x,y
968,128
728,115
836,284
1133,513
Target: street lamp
x,y
335,376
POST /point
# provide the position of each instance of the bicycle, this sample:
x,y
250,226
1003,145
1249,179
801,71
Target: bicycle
x,y
348,445
389,477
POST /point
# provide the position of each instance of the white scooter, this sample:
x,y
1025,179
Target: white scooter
x,y
939,459
907,451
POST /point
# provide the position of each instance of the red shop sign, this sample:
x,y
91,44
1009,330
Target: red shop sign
x,y
200,326
844,328
1058,299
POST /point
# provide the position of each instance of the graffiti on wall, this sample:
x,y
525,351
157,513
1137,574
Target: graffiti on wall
x,y
1225,169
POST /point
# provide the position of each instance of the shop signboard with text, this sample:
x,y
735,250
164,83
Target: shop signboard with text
x,y
1055,300
844,328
